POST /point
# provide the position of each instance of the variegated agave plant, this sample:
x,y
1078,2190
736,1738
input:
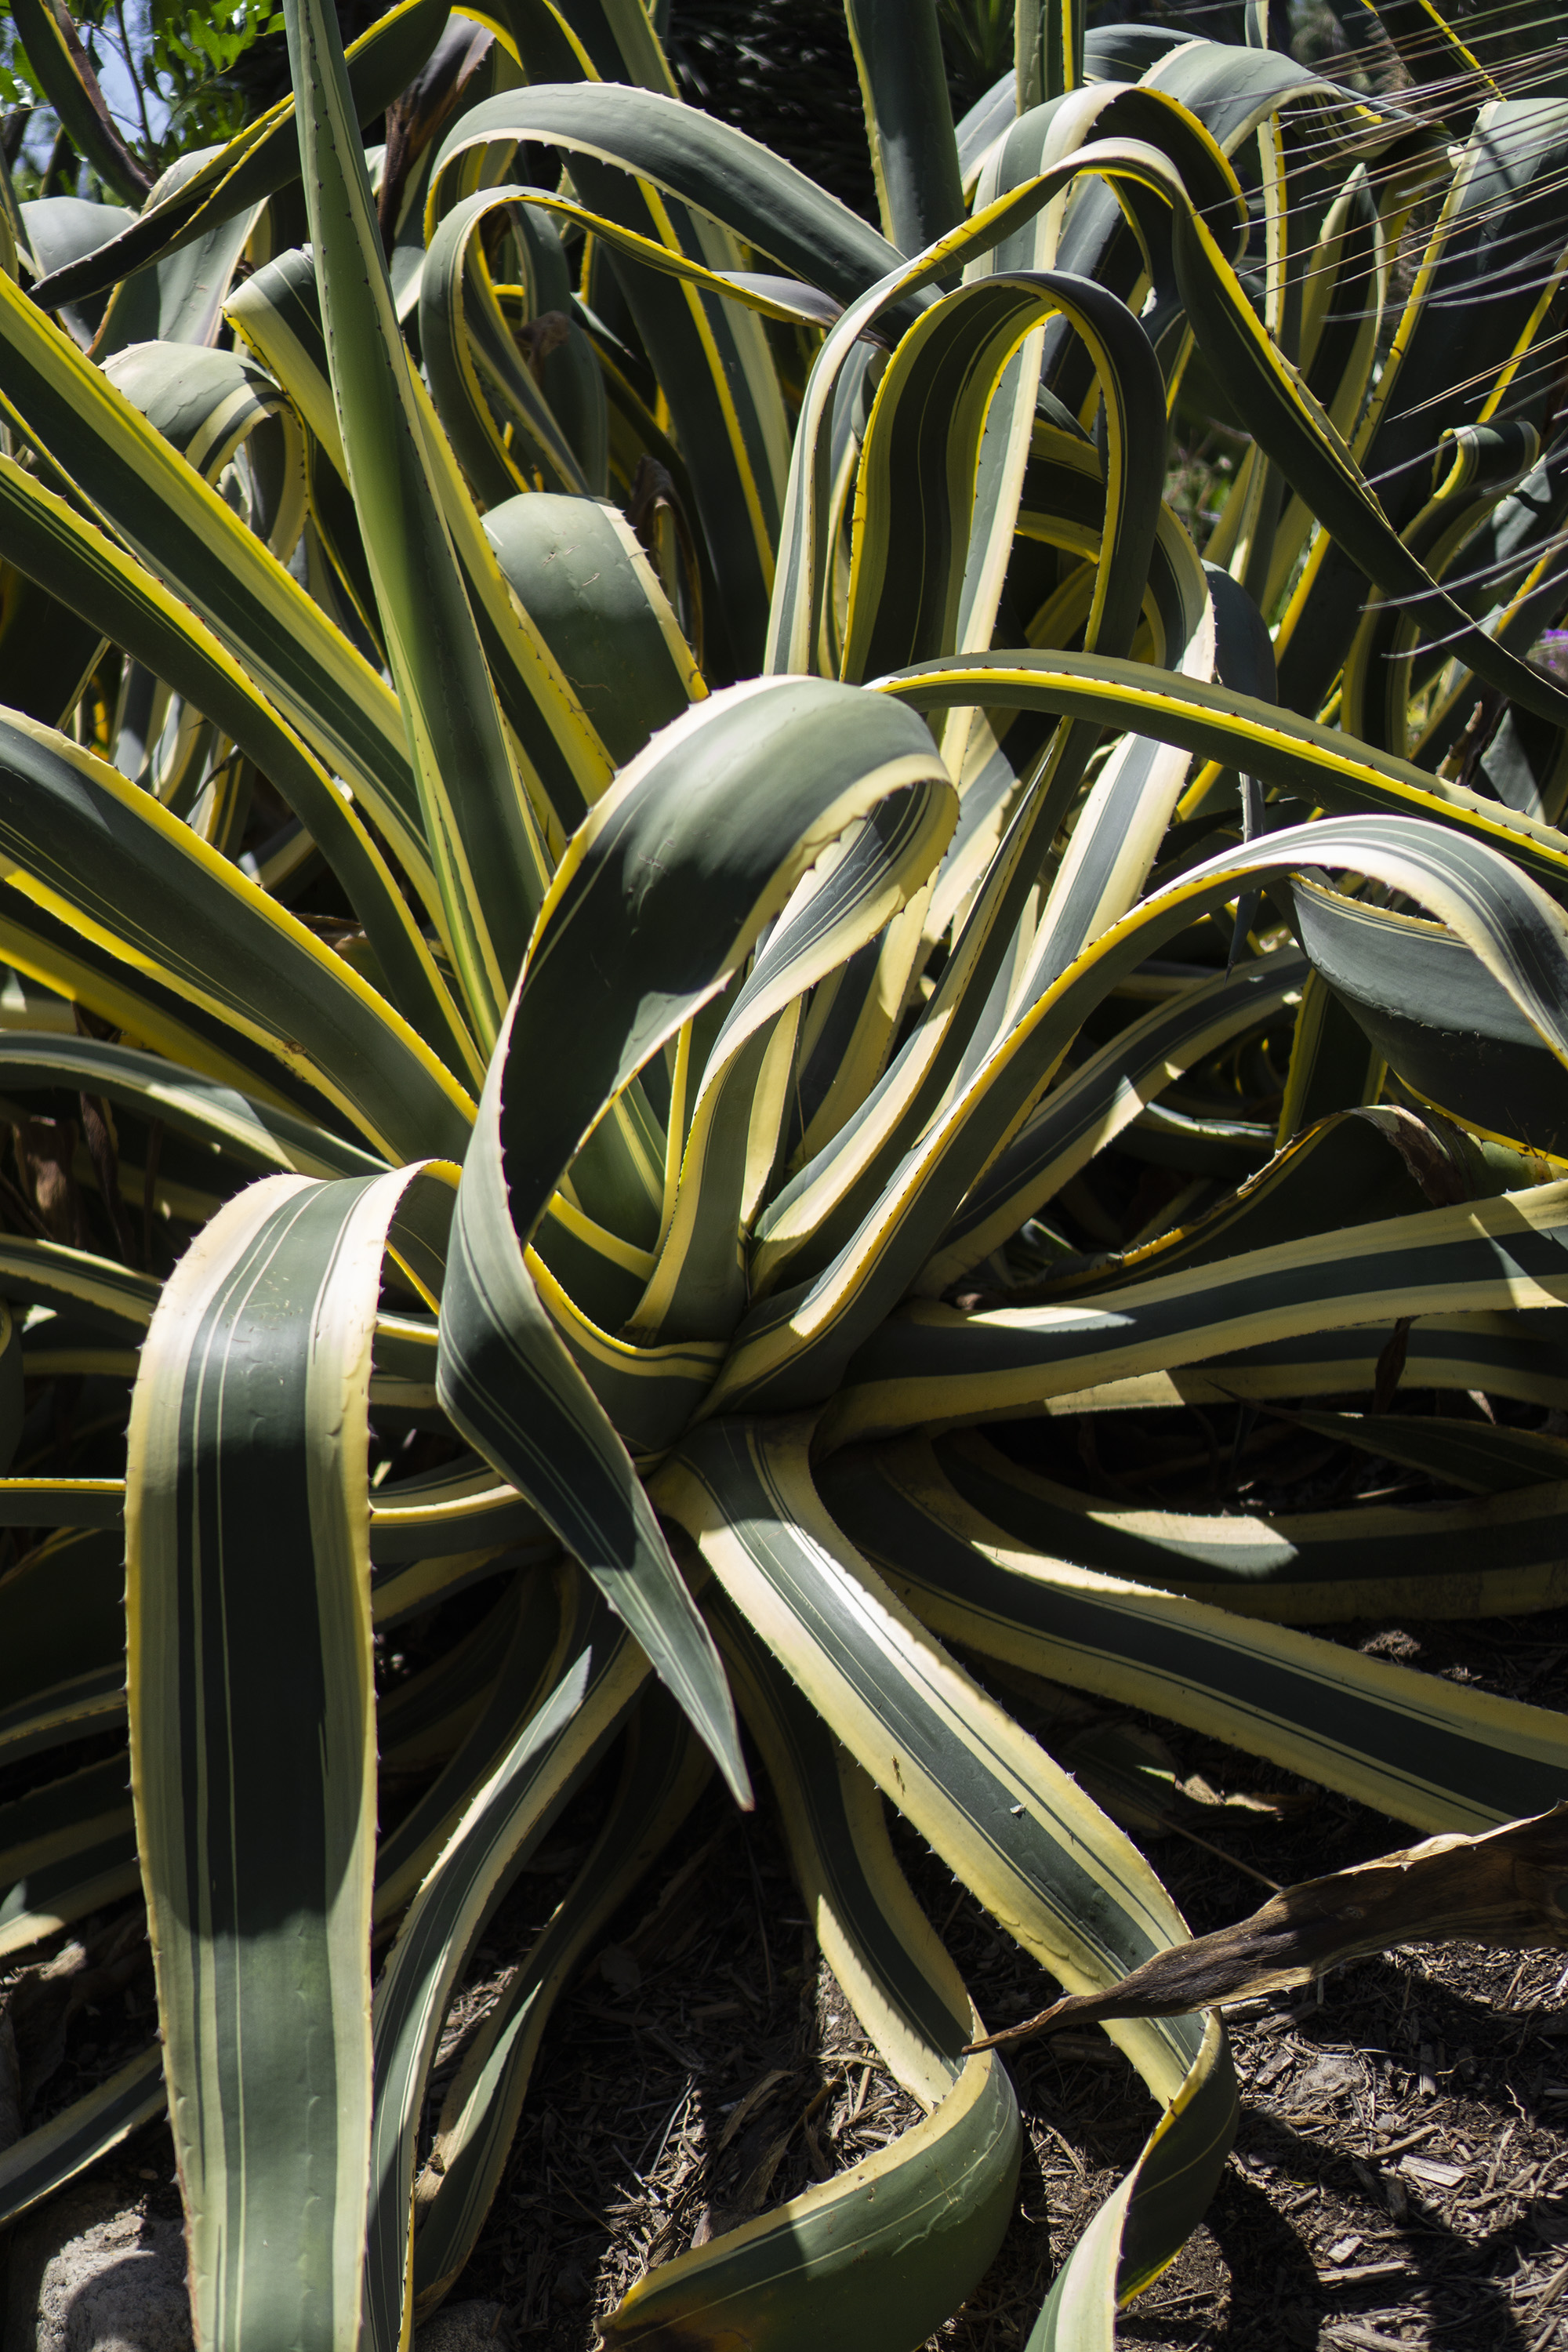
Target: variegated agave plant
x,y
766,1008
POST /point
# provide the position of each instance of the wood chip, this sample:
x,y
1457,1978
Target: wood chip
x,y
1362,2274
1432,2174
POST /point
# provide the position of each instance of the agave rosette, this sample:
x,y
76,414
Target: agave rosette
x,y
785,780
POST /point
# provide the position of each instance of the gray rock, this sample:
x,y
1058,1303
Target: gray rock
x,y
89,2273
464,2328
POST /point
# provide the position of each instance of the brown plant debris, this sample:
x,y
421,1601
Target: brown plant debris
x,y
1504,1889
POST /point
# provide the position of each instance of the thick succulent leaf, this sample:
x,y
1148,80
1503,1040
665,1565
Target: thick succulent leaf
x,y
1436,1016
507,1382
1234,730
1440,1756
264,1139
65,74
927,425
704,163
258,161
461,333
1497,1555
43,536
698,1286
277,312
1006,1819
1088,1111
551,1756
931,1364
793,1349
893,1968
905,2234
42,2161
62,1502
471,801
105,858
596,599
684,841
180,298
713,365
908,121
459,1506
248,1511
688,845
663,1773
194,542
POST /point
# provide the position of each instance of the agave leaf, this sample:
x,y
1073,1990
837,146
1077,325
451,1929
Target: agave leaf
x,y
103,855
277,1881
1411,1745
794,1348
41,2162
908,121
1501,1889
904,2233
487,863
664,1772
1057,1874
39,532
277,312
461,329
1297,1567
256,163
1087,1111
197,546
508,1814
909,553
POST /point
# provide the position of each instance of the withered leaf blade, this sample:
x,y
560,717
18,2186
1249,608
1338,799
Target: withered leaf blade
x,y
1506,1888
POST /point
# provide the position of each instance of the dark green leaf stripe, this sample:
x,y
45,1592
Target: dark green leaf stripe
x,y
41,2162
1018,1830
1492,1557
485,861
1055,1873
931,1364
263,1139
104,856
509,1815
43,536
1237,731
1087,1111
907,2233
257,162
664,1772
198,547
793,1349
1406,1743
254,1799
